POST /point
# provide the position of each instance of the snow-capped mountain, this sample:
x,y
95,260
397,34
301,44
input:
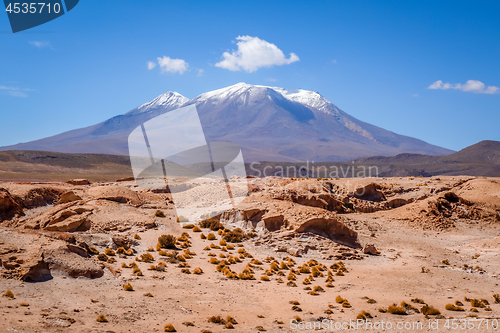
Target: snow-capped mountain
x,y
269,124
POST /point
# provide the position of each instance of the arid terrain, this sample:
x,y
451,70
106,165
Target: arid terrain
x,y
402,250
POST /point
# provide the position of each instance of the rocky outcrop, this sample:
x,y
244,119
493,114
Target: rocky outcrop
x,y
67,260
330,228
115,193
8,206
40,196
69,196
67,217
369,192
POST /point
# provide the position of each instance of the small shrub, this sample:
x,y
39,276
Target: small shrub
x,y
364,315
121,250
202,236
371,301
397,310
294,302
346,304
340,300
147,257
128,287
211,236
198,271
24,304
217,320
92,250
297,319
211,224
458,303
167,241
451,307
231,320
159,213
130,252
102,319
185,271
291,284
102,257
8,294
229,326
124,265
382,310
445,261
111,260
188,323
477,303
264,278
196,229
169,328
328,311
151,249
418,301
188,226
296,308
260,328
474,310
136,236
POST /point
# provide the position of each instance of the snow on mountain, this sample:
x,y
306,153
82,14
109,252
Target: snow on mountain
x,y
170,99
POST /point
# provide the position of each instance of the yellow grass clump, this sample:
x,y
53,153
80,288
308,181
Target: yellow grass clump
x,y
102,319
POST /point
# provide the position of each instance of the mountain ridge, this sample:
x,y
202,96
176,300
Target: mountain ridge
x,y
269,123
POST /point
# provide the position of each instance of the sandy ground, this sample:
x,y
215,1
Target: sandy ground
x,y
410,265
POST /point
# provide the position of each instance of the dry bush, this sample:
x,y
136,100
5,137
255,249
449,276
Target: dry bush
x,y
474,310
102,319
214,261
212,224
188,226
130,252
329,285
136,236
111,260
24,304
185,271
260,328
264,278
102,257
340,300
231,320
294,302
497,298
451,307
128,287
147,257
188,323
418,301
429,311
8,294
229,326
371,301
167,241
169,328
121,250
364,316
217,320
196,229
346,304
296,308
397,310
159,213
202,236
148,295
291,284
124,265
92,250
328,311
151,249
211,236
198,271
477,303
319,289
137,271
382,310
297,319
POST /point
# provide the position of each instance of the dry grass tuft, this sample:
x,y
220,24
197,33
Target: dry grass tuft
x,y
147,257
188,323
296,308
418,301
429,311
148,295
92,250
159,213
167,241
364,316
217,320
397,310
169,328
136,236
8,294
128,287
451,307
197,271
102,319
211,236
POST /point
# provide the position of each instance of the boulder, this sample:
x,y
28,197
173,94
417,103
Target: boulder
x,y
123,241
115,193
370,249
69,196
8,206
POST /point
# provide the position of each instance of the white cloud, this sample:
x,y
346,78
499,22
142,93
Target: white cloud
x,y
334,61
474,86
254,53
151,65
200,72
270,79
40,44
15,91
169,65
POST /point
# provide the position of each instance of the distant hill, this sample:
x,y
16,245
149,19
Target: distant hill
x,y
481,159
268,123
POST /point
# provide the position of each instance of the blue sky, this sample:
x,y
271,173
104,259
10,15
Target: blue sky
x,y
374,60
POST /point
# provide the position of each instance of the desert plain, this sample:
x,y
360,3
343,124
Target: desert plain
x,y
418,254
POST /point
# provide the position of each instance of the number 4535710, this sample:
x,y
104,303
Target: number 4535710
x,y
33,7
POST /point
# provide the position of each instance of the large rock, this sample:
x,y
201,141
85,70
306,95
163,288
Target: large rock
x,y
370,249
64,260
332,229
8,206
115,193
69,196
